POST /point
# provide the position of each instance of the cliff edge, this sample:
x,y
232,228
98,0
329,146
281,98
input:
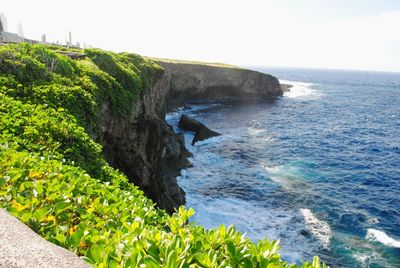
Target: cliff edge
x,y
145,148
191,81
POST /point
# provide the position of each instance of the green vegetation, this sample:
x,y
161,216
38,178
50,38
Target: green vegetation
x,y
213,64
54,178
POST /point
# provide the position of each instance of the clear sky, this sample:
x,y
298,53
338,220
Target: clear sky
x,y
346,34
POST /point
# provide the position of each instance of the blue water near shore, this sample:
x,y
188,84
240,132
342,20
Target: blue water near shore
x,y
318,168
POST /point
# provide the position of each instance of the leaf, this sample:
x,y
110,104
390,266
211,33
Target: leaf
x,y
172,259
41,213
77,234
231,249
61,238
73,229
26,217
190,212
316,262
149,261
95,254
222,231
19,207
247,263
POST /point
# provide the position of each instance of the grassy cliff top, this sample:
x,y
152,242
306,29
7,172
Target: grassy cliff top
x,y
213,64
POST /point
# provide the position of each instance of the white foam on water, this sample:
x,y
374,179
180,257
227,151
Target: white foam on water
x,y
363,259
256,221
288,177
372,220
319,229
299,89
382,237
255,131
273,169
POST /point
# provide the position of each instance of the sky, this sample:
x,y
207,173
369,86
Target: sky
x,y
337,34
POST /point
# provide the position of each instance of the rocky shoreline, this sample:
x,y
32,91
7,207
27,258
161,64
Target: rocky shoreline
x,y
145,147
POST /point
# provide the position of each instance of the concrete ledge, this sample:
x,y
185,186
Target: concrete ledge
x,y
22,247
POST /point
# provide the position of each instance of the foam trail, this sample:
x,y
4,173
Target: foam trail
x,y
299,89
318,228
287,177
382,237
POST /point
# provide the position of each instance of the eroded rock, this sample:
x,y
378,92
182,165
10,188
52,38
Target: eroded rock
x,y
146,149
202,131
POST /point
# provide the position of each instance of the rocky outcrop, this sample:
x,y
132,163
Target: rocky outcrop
x,y
189,81
201,131
286,87
145,148
22,247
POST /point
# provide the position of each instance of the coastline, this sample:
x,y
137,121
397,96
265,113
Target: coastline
x,y
87,133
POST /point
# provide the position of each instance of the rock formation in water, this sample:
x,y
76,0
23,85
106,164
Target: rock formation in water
x,y
201,131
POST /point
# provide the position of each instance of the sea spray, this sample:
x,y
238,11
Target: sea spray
x,y
317,228
300,90
382,237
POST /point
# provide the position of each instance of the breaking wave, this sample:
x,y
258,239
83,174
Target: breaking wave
x,y
299,89
317,228
382,237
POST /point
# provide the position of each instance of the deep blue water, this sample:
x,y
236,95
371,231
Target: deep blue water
x,y
318,168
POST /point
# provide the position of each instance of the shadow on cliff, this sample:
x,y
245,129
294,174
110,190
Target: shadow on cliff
x,y
145,147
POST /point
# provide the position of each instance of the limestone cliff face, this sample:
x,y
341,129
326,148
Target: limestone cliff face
x,y
145,147
197,81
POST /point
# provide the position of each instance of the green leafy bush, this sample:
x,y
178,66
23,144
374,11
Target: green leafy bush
x,y
54,178
44,130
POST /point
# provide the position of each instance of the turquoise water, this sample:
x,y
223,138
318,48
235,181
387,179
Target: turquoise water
x,y
318,168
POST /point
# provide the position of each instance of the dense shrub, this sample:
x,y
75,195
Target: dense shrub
x,y
54,178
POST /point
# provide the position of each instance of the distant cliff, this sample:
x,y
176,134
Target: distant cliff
x,y
199,80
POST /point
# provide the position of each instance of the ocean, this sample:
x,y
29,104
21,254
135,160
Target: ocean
x,y
318,168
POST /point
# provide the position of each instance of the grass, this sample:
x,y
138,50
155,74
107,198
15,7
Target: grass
x,y
213,64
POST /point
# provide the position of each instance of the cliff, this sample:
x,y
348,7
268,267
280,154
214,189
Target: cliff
x,y
210,81
68,127
145,148
120,100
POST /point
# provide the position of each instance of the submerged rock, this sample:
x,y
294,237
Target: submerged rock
x,y
202,132
22,247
